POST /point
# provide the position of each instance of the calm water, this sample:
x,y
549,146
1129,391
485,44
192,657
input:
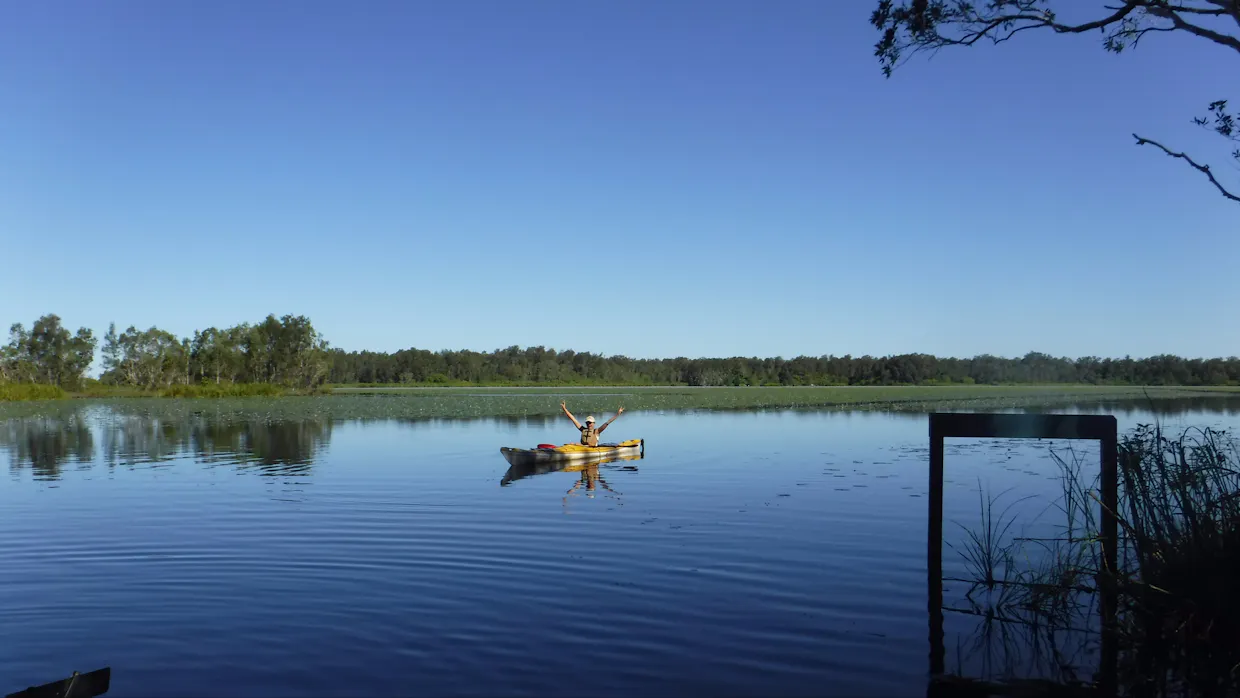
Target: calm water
x,y
746,554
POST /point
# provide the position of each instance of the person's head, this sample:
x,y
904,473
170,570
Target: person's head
x,y
590,421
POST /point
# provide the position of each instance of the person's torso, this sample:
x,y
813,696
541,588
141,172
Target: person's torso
x,y
589,436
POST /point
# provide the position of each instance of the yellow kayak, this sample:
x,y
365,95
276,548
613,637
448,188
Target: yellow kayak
x,y
573,453
524,470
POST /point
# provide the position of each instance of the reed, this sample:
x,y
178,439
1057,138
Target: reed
x,y
1178,620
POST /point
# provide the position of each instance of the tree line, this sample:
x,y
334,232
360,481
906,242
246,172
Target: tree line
x,y
285,351
536,365
288,351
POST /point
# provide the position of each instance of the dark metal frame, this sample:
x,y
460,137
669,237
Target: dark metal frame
x,y
88,685
1100,428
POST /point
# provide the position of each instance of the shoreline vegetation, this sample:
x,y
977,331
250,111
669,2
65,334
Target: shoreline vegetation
x,y
287,356
543,403
699,397
14,392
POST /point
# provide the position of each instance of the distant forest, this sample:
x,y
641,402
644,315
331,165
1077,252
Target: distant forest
x,y
288,351
538,365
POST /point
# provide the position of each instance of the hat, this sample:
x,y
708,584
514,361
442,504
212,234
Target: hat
x,y
590,418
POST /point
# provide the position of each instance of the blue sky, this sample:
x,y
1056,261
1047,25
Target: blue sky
x,y
651,179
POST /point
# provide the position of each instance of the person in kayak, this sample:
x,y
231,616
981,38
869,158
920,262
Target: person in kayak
x,y
589,435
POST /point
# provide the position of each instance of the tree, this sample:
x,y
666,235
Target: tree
x,y
913,26
47,353
111,354
216,354
15,365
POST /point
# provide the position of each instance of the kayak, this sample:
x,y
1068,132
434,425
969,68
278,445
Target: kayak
x,y
573,453
518,472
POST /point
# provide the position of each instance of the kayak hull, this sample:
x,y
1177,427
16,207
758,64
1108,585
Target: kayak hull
x,y
520,472
573,453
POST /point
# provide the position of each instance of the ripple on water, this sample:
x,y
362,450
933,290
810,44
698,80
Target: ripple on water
x,y
346,558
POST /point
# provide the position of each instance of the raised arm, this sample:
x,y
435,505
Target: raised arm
x,y
570,414
616,416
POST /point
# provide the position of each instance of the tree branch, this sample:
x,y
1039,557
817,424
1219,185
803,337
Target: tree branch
x,y
908,27
1136,38
1204,169
1200,10
1040,19
916,25
1231,7
1220,39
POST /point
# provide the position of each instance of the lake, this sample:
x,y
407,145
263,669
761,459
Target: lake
x,y
748,553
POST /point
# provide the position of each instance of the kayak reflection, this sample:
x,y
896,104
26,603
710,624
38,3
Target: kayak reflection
x,y
588,468
572,458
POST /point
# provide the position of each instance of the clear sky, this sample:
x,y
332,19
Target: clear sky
x,y
645,178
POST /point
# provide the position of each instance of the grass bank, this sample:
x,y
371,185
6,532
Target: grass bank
x,y
14,392
467,403
187,391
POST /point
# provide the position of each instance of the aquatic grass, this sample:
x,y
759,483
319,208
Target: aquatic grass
x,y
1180,528
474,403
987,553
1178,616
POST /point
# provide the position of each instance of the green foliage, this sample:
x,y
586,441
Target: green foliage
x,y
467,403
147,359
47,354
97,389
283,355
286,352
540,366
289,352
30,391
224,390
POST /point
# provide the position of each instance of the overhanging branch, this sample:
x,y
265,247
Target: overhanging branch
x,y
1218,11
1232,7
1179,23
913,26
1204,169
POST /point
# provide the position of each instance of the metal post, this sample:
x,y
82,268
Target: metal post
x,y
1108,669
1101,428
934,550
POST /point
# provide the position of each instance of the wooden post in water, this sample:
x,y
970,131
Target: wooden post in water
x,y
1101,428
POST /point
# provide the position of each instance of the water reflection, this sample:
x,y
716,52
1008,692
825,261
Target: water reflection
x,y
1215,404
524,470
512,422
591,479
46,444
